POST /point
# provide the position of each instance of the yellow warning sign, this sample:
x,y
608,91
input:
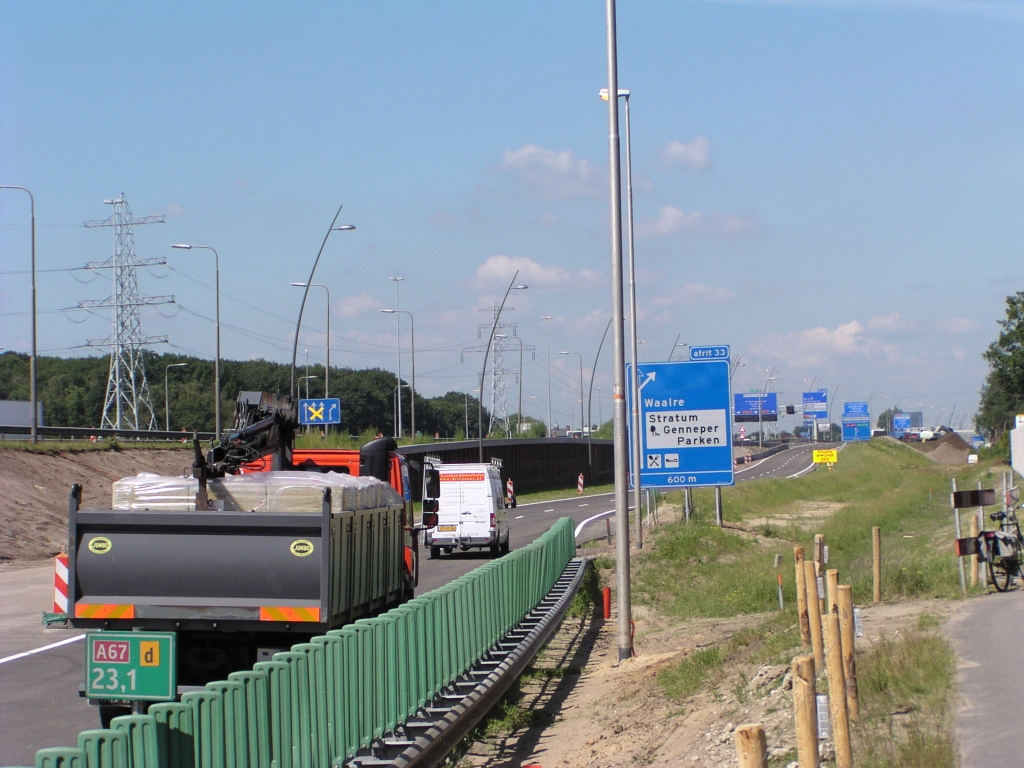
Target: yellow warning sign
x,y
825,457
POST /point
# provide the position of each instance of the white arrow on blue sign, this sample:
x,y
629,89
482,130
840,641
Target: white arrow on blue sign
x,y
685,422
325,410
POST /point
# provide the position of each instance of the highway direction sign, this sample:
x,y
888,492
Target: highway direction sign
x,y
720,352
325,410
816,404
856,422
747,406
131,665
685,426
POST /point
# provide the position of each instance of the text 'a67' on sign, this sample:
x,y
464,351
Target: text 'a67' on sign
x,y
686,429
131,665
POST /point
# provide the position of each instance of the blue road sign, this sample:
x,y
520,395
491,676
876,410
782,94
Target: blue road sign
x,y
747,406
856,409
856,422
816,404
717,352
325,410
900,424
684,417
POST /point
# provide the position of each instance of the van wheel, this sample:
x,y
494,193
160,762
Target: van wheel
x,y
506,547
435,553
495,549
447,550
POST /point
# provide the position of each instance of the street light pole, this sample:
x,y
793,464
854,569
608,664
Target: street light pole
x,y
483,370
634,382
621,452
216,362
760,408
398,324
590,401
32,360
412,339
167,396
327,367
581,385
305,295
547,334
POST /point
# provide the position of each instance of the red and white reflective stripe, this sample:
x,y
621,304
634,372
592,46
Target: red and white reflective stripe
x,y
579,484
508,488
60,584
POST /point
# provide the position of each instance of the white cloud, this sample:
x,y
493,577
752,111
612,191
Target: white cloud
x,y
559,175
694,293
957,325
892,323
818,346
500,269
1007,9
672,221
696,155
174,210
350,306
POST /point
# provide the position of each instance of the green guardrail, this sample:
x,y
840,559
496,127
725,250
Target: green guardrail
x,y
319,703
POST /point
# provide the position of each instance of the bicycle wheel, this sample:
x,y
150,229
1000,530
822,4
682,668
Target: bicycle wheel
x,y
1001,572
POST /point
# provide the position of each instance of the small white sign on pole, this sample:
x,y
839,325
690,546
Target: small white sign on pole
x,y
822,700
858,624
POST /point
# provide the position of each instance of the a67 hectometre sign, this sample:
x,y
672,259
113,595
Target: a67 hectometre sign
x,y
131,665
685,421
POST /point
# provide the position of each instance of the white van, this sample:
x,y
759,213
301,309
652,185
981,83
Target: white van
x,y
470,510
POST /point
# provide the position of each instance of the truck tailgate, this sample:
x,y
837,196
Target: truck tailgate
x,y
184,569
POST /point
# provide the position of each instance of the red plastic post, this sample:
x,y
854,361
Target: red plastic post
x,y
607,602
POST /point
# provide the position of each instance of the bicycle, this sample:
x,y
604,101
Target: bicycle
x,y
1003,550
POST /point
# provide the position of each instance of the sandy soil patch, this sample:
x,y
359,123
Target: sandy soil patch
x,y
806,515
34,490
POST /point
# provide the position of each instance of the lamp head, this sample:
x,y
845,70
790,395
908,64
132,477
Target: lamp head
x,y
388,311
344,228
299,285
603,93
181,246
521,287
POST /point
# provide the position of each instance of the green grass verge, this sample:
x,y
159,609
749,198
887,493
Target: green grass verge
x,y
700,570
906,688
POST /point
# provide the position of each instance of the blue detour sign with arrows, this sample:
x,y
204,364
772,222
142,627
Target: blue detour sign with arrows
x,y
325,410
686,431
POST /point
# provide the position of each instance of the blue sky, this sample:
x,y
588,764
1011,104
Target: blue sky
x,y
831,188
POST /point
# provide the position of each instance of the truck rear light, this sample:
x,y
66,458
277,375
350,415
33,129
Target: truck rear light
x,y
492,519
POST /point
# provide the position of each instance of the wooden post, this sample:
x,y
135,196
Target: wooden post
x,y
819,567
848,639
957,532
837,692
801,597
819,547
832,583
814,616
751,746
974,558
805,709
876,564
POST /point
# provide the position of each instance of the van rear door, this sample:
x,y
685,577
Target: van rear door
x,y
476,507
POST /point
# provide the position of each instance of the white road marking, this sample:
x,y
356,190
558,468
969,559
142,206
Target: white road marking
x,y
584,505
567,498
549,510
519,517
802,471
40,650
579,527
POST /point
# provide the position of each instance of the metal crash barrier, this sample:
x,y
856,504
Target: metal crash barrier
x,y
321,703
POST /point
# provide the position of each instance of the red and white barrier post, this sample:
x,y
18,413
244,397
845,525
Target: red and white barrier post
x,y
579,485
60,583
509,490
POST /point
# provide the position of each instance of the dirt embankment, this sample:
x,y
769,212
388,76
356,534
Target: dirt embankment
x,y
34,492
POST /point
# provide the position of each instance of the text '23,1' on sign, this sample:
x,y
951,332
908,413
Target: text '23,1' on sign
x,y
686,429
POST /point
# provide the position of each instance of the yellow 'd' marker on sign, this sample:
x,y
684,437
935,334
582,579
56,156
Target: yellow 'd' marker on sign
x,y
825,457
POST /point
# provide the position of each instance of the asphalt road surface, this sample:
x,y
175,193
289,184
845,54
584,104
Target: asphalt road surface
x,y
39,702
990,680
